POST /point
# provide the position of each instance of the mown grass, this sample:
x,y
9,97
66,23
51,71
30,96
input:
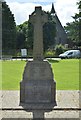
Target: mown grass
x,y
12,74
66,74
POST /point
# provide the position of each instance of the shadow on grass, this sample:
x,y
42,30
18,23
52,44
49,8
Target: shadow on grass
x,y
53,61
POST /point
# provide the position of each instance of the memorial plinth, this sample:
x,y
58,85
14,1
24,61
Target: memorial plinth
x,y
38,86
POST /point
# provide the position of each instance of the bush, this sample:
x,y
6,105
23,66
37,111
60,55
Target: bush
x,y
59,49
49,53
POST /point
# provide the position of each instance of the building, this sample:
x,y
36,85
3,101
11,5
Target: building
x,y
61,36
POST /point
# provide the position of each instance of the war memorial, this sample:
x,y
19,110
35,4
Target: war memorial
x,y
38,97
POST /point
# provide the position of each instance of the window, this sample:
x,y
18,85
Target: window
x,y
70,53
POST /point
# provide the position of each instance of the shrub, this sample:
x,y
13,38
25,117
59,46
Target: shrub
x,y
49,53
59,49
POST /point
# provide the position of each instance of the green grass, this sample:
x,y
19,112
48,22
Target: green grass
x,y
66,74
12,74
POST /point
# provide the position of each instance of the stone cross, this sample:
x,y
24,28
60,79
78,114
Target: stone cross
x,y
38,18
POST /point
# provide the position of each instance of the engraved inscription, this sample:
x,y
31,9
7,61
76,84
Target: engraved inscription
x,y
38,94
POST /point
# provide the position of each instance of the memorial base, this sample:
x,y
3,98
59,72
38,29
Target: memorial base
x,y
37,86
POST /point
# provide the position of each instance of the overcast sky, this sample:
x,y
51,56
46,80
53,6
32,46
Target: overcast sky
x,y
23,8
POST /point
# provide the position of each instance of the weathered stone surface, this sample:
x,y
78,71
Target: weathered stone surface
x,y
53,115
65,99
38,18
38,85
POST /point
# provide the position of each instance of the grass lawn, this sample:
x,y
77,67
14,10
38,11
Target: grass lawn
x,y
66,74
12,74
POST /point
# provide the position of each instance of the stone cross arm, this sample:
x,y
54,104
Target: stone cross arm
x,y
38,15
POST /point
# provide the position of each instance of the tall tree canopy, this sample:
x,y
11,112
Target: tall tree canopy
x,y
79,17
21,41
73,29
8,30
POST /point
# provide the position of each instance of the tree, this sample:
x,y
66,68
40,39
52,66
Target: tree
x,y
8,30
73,32
79,17
25,36
30,36
73,29
21,41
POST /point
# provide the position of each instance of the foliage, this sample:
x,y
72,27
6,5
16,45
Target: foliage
x,y
49,53
73,29
8,30
30,34
21,40
59,49
66,74
79,18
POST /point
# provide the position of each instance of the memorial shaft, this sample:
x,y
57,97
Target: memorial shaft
x,y
38,19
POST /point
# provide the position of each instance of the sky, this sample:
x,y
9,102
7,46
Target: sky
x,y
21,9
